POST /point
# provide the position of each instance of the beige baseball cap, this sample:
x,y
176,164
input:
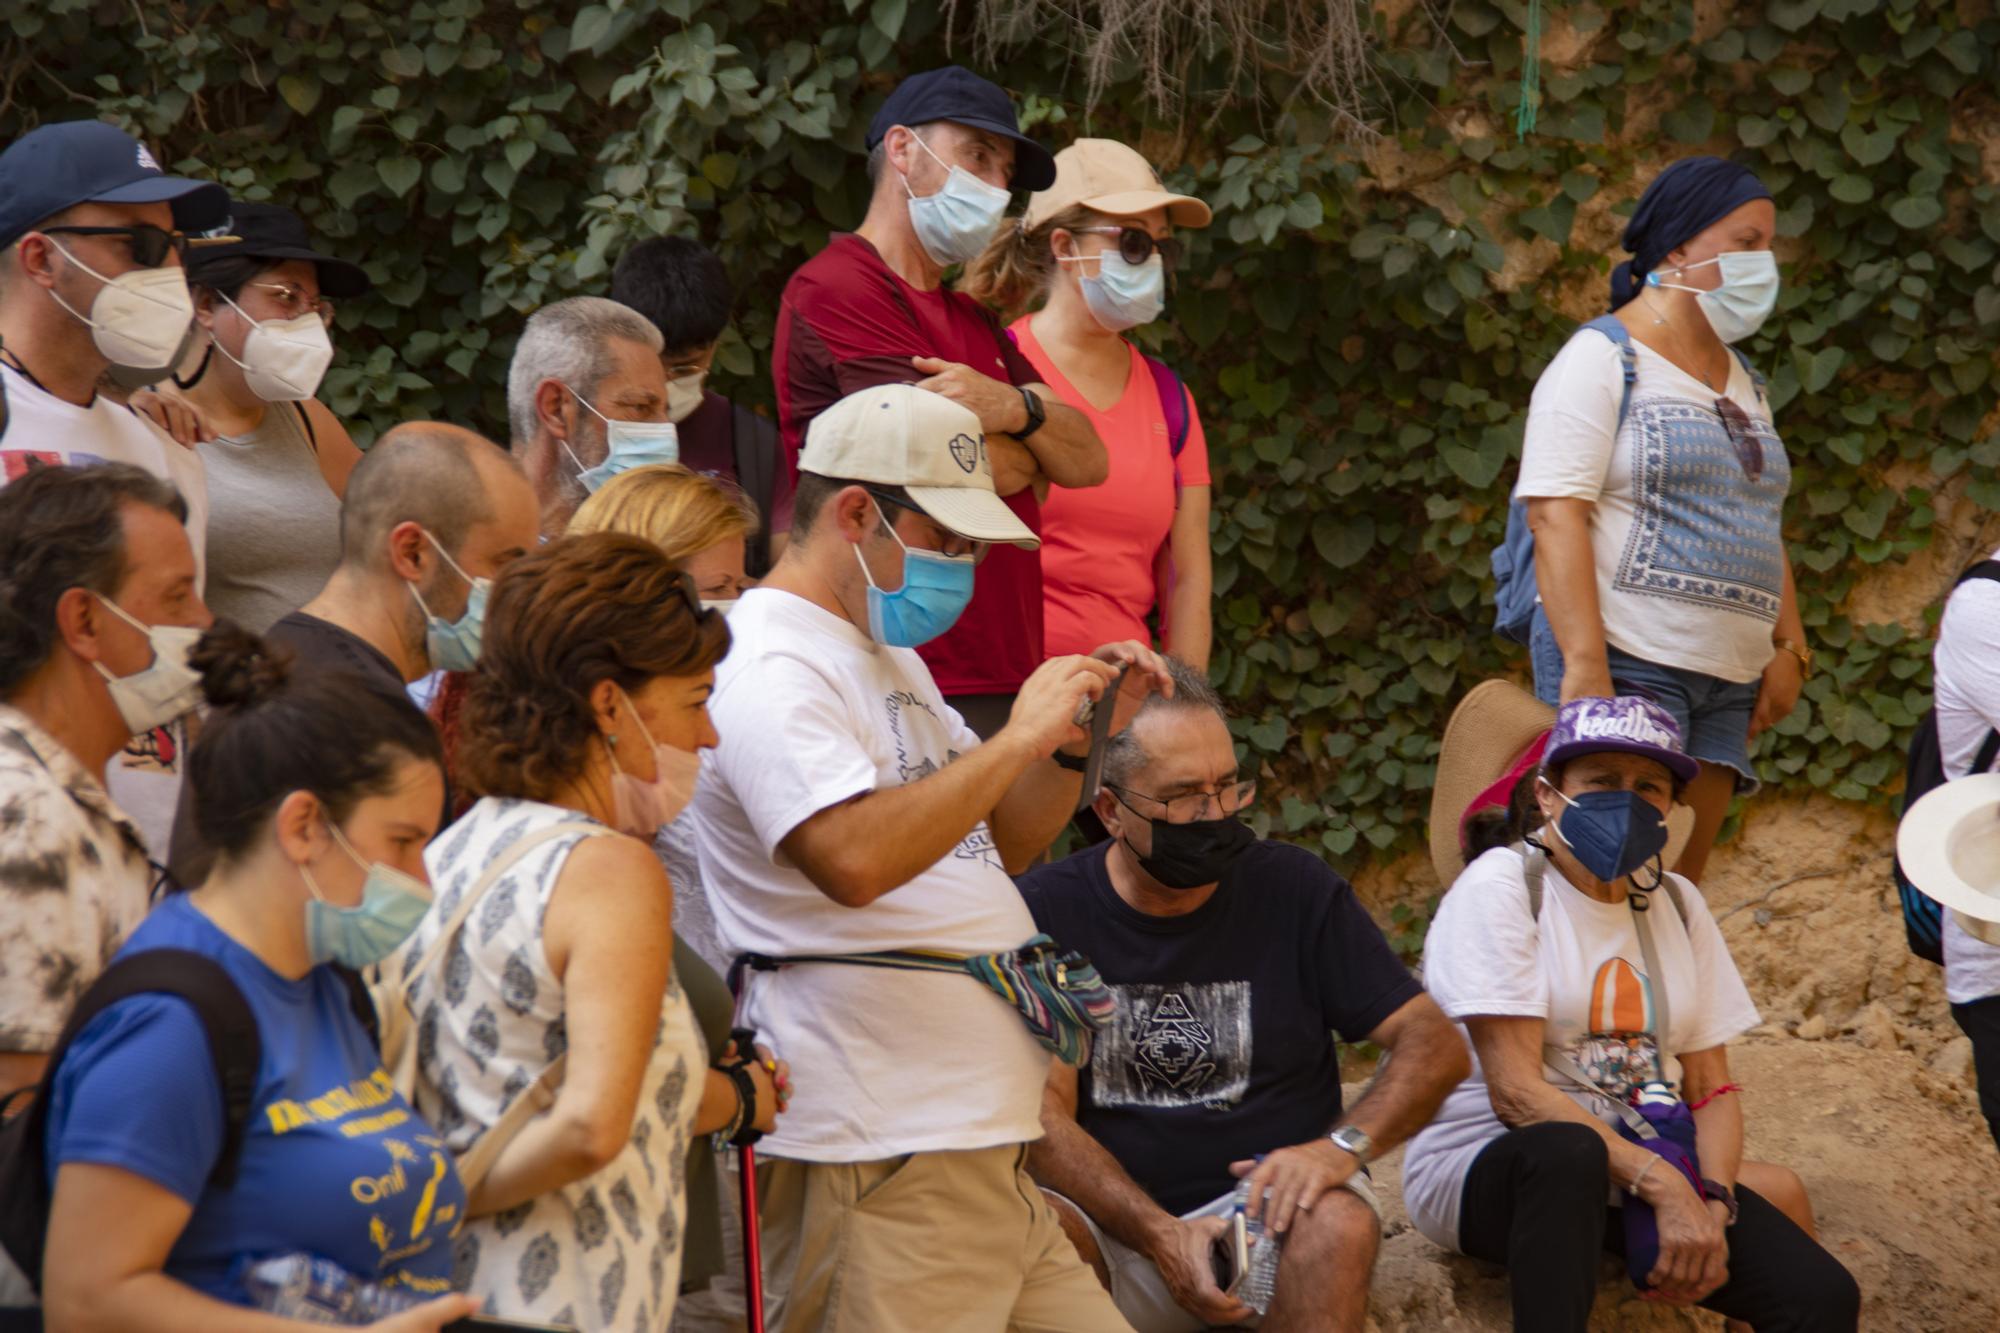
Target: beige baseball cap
x,y
900,435
1105,175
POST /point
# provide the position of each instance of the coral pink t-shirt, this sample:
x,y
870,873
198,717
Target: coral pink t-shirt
x,y
1100,544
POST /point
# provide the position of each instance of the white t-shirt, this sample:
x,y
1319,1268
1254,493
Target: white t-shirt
x,y
1581,969
1966,667
145,779
1690,560
812,712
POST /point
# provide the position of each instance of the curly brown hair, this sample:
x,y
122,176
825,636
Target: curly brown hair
x,y
576,612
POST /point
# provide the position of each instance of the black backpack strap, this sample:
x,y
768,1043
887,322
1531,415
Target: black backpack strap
x,y
233,1044
234,1049
1984,569
360,1002
305,420
753,443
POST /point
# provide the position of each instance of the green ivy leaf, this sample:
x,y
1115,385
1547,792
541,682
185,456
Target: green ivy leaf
x,y
400,174
1916,212
301,93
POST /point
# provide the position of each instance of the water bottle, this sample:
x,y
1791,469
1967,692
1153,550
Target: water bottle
x,y
318,1291
1260,1283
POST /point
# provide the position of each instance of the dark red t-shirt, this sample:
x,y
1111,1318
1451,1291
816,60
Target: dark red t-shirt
x,y
708,444
846,322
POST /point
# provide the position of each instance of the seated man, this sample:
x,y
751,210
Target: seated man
x,y
1233,959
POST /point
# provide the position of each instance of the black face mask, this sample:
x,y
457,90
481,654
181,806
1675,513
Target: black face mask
x,y
1187,856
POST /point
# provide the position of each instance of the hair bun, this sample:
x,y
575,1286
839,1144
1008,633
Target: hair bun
x,y
238,669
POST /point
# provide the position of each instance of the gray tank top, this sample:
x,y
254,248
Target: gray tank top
x,y
273,526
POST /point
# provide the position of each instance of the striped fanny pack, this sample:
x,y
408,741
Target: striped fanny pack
x,y
1056,991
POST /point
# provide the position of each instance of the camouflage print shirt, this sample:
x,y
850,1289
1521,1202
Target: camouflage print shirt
x,y
74,881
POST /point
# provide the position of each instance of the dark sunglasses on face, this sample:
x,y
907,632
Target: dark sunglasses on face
x,y
1743,434
1136,246
150,245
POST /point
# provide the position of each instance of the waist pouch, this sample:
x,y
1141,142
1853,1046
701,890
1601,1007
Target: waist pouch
x,y
1056,991
1669,1131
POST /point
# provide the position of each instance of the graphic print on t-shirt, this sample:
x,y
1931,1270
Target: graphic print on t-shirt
x,y
1618,1050
1184,1044
1702,530
912,763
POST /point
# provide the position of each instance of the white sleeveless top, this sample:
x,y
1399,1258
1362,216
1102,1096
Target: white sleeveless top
x,y
603,1253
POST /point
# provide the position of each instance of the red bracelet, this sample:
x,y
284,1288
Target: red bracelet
x,y
1727,1087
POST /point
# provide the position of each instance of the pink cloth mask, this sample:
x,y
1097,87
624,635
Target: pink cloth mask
x,y
641,808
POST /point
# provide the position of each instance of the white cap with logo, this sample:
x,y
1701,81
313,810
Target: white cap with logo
x,y
932,447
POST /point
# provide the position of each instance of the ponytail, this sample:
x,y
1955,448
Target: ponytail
x,y
1017,266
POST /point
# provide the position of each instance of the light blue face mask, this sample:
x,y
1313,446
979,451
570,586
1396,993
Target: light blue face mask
x,y
453,645
1737,306
934,594
392,904
627,444
1123,295
955,224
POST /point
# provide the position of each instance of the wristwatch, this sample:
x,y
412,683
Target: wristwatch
x,y
1798,650
1715,1189
1354,1139
1037,414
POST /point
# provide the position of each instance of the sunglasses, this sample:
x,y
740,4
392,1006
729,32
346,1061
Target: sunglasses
x,y
150,245
1743,434
1136,246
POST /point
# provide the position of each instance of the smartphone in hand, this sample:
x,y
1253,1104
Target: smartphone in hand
x,y
1231,1255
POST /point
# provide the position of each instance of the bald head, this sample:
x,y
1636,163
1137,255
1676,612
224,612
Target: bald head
x,y
445,478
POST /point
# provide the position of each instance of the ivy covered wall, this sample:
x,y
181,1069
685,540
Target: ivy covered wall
x,y
1361,326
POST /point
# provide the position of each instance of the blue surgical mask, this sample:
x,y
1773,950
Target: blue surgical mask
x,y
392,904
1123,295
934,594
627,444
1742,301
453,645
1611,833
955,224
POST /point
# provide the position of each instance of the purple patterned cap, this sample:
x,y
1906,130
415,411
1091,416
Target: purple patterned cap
x,y
1628,723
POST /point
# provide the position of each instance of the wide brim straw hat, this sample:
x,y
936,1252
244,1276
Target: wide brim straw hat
x,y
1949,846
1489,737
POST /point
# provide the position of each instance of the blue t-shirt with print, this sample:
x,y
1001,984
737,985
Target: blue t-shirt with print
x,y
334,1162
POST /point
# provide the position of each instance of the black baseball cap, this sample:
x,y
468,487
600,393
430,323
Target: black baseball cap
x,y
75,162
269,232
956,94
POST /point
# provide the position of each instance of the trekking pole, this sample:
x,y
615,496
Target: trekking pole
x,y
746,1169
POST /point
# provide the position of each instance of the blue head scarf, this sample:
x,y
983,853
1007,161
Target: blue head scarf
x,y
1683,201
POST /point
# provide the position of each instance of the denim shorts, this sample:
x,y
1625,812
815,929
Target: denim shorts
x,y
1714,715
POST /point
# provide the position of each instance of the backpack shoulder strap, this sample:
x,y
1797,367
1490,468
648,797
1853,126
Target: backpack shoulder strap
x,y
1673,892
360,1002
234,1048
306,422
1628,358
1984,569
1756,375
1534,864
1656,980
753,447
1174,403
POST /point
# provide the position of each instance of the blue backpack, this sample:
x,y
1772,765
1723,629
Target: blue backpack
x,y
1513,560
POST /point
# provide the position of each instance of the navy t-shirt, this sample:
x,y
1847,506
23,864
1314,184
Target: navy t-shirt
x,y
1221,1047
334,1162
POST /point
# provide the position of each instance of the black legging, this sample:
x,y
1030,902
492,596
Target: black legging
x,y
1534,1200
1980,1021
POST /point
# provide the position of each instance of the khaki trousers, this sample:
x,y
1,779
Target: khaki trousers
x,y
940,1242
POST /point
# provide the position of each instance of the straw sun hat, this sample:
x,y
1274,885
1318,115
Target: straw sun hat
x,y
1495,735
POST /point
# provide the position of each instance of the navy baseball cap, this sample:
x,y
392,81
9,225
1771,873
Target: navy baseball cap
x,y
956,94
87,161
274,233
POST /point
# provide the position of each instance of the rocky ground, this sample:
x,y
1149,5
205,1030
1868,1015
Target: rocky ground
x,y
1858,1080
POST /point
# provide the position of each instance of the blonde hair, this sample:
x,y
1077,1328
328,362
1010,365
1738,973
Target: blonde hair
x,y
681,512
1016,267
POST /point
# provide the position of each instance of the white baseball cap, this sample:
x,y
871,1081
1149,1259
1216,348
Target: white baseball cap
x,y
932,447
1949,846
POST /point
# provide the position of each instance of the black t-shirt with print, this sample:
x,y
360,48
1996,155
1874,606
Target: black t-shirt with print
x,y
1221,1047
